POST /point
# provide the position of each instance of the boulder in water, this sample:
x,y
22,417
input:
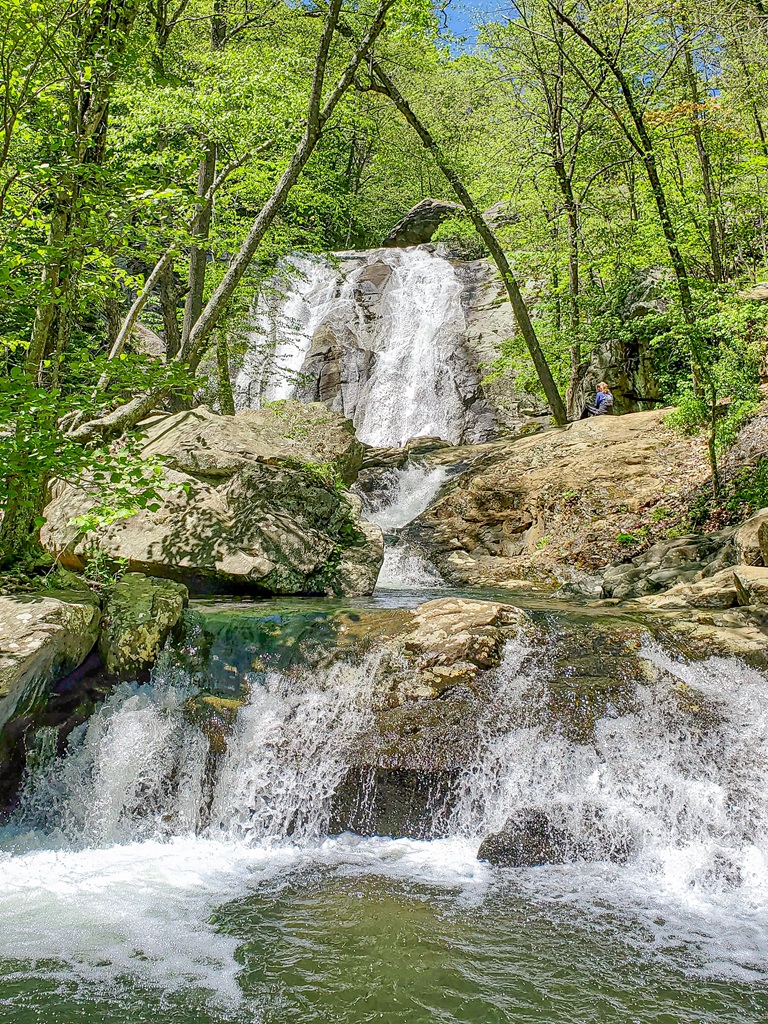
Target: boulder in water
x,y
528,840
254,501
42,637
139,615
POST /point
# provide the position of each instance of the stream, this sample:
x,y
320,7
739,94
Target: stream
x,y
159,869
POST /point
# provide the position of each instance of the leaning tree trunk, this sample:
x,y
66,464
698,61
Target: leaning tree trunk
x,y
483,229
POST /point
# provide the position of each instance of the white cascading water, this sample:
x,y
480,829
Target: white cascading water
x,y
138,836
402,495
411,390
290,309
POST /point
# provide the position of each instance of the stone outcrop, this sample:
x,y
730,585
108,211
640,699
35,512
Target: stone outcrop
x,y
751,539
561,503
139,615
629,370
254,501
450,641
527,841
490,322
667,563
420,223
432,687
42,637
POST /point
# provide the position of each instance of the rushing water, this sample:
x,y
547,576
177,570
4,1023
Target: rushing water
x,y
397,361
178,861
142,878
399,497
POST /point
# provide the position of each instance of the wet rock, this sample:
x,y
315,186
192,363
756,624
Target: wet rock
x,y
394,802
139,615
42,638
253,501
450,641
528,840
420,223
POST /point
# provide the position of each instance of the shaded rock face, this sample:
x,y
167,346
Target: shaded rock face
x,y
526,841
490,322
551,505
250,501
628,369
420,223
751,539
139,615
42,637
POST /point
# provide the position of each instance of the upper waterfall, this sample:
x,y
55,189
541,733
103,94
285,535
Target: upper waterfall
x,y
377,335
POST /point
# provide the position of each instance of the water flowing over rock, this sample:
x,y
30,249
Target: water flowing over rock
x,y
389,337
254,500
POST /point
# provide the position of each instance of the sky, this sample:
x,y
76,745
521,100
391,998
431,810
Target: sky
x,y
461,13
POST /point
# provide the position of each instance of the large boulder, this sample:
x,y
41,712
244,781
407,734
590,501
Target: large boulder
x,y
255,501
42,637
139,615
747,539
431,691
556,503
420,223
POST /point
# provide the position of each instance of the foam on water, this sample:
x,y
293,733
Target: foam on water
x,y
125,846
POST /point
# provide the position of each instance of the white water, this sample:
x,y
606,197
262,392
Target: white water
x,y
290,309
136,842
414,335
402,495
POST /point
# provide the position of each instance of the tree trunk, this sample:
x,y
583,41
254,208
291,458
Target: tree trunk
x,y
226,398
705,164
513,289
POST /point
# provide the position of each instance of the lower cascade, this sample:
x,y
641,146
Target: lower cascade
x,y
169,801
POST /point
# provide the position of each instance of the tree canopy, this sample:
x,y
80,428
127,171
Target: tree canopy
x,y
158,157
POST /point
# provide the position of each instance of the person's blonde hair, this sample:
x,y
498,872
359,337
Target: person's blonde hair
x,y
602,384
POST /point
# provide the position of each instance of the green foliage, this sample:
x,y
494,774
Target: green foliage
x,y
460,238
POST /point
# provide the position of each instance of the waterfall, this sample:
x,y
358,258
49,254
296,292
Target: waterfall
x,y
290,309
140,830
380,334
683,793
400,495
140,768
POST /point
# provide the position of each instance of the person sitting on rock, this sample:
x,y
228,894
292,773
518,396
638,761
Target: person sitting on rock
x,y
603,401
